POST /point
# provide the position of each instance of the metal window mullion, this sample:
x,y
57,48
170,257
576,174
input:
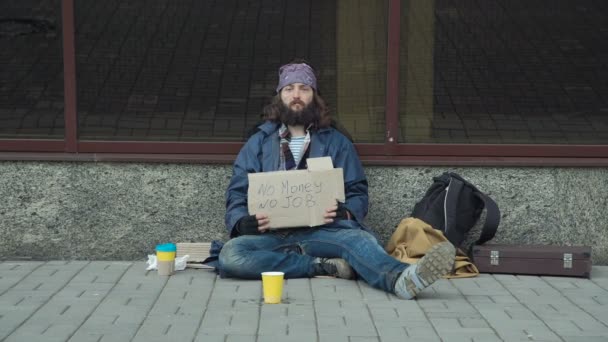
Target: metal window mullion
x,y
69,77
392,76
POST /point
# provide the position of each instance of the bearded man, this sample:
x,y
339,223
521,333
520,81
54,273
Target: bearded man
x,y
298,127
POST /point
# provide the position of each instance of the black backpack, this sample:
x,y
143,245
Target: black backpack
x,y
454,205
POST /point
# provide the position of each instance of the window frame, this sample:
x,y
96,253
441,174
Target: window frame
x,y
391,152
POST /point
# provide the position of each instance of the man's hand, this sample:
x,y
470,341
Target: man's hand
x,y
263,222
253,224
336,212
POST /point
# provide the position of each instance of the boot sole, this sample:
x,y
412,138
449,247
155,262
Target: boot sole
x,y
437,262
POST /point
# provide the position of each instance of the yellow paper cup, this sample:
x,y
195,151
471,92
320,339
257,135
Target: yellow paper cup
x,y
272,283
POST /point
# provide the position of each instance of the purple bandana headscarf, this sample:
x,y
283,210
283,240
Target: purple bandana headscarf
x,y
296,73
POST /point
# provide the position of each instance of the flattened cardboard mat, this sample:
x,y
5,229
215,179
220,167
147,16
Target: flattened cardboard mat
x,y
197,251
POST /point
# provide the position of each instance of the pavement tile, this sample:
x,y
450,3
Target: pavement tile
x,y
31,294
120,301
13,272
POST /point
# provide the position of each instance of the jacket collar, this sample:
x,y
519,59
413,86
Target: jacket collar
x,y
268,127
270,149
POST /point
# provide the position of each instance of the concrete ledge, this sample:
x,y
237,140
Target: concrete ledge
x,y
119,211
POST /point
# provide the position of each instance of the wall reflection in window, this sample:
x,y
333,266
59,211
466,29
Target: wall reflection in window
x,y
509,71
31,70
203,70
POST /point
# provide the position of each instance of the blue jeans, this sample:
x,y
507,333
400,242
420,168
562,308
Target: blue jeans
x,y
293,251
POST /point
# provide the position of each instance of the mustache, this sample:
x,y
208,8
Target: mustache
x,y
297,102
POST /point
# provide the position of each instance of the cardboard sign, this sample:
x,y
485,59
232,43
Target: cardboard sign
x,y
296,198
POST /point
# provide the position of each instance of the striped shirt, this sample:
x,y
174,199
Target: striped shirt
x,y
296,146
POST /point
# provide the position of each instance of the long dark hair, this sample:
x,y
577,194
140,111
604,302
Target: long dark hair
x,y
272,111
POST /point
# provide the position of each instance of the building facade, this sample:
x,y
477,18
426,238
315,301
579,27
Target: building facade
x,y
511,93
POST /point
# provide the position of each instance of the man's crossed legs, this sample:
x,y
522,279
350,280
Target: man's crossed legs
x,y
307,252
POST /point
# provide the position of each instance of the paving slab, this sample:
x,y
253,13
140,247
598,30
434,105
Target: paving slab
x,y
121,301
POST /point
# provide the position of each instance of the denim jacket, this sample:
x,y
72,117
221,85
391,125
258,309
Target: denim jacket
x,y
261,154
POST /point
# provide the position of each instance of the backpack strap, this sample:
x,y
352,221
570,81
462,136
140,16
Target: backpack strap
x,y
450,206
492,218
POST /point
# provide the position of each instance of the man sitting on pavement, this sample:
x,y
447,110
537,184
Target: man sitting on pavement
x,y
297,127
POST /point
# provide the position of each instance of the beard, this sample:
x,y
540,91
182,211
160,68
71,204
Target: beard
x,y
309,114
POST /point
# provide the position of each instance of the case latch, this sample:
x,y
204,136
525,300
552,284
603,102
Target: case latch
x,y
494,255
567,260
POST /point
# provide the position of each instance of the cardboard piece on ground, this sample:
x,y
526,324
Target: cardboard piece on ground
x,y
296,198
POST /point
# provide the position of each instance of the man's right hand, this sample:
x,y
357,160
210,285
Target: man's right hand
x,y
253,224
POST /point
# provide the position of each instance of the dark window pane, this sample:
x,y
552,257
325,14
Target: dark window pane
x,y
511,71
31,70
203,70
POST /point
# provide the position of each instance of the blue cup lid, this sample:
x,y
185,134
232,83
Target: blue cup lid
x,y
166,247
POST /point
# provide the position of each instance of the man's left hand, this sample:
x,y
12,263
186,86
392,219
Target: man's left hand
x,y
336,212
